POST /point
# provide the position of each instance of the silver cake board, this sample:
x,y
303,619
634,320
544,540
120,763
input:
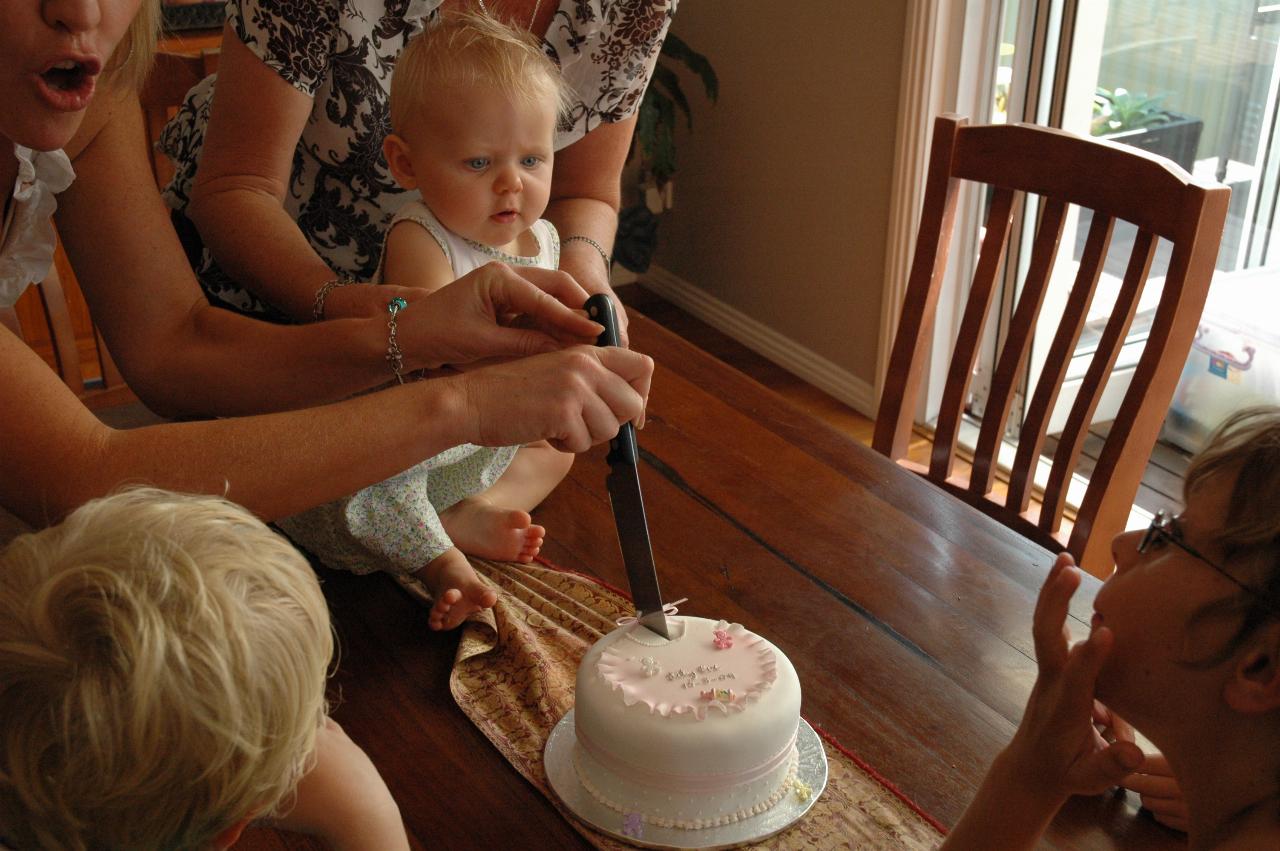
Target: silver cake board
x,y
563,777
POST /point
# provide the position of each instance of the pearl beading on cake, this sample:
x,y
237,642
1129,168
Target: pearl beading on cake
x,y
788,782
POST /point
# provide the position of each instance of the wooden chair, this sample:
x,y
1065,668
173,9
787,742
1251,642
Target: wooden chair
x,y
171,77
1116,183
52,318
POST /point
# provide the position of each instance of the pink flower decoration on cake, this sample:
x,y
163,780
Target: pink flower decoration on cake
x,y
723,640
632,825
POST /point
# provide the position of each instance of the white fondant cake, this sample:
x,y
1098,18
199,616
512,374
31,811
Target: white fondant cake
x,y
693,732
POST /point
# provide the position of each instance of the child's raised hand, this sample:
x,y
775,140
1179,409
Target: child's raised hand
x,y
1057,751
1153,781
1057,747
1161,795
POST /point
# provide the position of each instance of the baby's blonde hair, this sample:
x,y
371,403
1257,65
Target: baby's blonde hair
x,y
131,61
162,671
464,48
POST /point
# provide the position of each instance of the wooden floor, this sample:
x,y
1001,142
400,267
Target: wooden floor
x,y
1161,487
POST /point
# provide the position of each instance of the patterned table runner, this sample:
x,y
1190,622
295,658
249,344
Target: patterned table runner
x,y
514,678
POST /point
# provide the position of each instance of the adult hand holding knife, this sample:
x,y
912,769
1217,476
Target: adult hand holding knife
x,y
623,483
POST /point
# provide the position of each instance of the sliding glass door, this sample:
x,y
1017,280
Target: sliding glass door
x,y
1195,81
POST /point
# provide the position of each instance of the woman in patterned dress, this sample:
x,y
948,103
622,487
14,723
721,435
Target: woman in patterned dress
x,y
291,189
182,356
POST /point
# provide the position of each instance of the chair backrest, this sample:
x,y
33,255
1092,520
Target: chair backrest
x,y
172,76
51,318
1116,183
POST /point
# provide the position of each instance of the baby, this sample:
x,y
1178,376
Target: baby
x,y
162,677
474,106
1185,645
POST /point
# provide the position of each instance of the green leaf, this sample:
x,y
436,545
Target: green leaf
x,y
675,49
663,159
670,82
1117,110
647,123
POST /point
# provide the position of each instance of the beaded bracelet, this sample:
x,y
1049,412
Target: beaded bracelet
x,y
604,255
317,309
394,356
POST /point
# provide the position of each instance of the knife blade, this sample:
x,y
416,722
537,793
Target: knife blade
x,y
623,484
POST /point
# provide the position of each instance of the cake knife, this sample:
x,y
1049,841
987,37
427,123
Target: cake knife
x,y
623,483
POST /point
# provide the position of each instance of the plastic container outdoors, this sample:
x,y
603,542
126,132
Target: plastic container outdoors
x,y
1235,359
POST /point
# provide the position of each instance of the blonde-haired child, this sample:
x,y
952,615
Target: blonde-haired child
x,y
474,106
1185,645
162,674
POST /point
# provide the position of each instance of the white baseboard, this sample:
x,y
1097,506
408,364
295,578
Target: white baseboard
x,y
813,368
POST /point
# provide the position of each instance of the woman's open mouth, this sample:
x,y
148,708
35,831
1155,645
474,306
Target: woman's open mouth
x,y
68,84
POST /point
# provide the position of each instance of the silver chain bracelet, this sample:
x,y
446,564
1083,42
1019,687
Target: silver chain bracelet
x,y
317,309
394,356
604,255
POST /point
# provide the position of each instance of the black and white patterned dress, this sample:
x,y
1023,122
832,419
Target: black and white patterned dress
x,y
341,54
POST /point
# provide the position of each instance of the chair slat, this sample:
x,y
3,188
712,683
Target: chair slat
x,y
892,433
1016,346
965,353
1100,365
65,351
1036,422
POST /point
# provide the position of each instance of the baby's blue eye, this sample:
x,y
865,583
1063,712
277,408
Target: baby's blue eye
x,y
477,163
531,161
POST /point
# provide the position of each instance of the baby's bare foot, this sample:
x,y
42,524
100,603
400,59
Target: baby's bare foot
x,y
482,529
457,589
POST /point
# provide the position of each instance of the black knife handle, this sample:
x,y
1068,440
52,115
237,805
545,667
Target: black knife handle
x,y
600,308
623,448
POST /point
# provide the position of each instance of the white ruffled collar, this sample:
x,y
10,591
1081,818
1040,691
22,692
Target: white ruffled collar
x,y
27,243
418,11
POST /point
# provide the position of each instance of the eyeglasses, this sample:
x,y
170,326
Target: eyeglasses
x,y
1164,530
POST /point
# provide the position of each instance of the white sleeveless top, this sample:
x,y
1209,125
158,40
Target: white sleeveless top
x,y
27,238
465,255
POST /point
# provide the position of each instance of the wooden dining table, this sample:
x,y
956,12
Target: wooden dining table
x,y
906,613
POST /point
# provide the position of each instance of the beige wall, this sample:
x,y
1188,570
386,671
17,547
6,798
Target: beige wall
x,y
782,189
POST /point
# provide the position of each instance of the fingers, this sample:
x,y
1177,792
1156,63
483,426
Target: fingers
x,y
1049,624
1156,764
559,285
552,299
1105,768
1152,785
616,393
1171,813
1114,727
1084,661
637,371
517,342
1159,792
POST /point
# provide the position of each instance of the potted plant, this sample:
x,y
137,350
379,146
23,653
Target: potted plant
x,y
653,151
1140,120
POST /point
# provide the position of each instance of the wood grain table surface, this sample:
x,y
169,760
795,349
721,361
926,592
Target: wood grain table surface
x,y
906,613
